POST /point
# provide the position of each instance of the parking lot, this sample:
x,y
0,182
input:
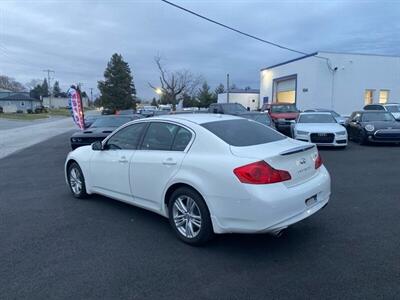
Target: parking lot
x,y
55,246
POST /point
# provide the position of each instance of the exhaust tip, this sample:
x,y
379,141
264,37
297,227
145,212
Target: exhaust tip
x,y
279,233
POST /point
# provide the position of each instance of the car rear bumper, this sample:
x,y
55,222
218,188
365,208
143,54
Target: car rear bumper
x,y
270,208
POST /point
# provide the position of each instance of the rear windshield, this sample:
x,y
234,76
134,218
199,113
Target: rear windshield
x,y
241,133
393,108
233,108
284,108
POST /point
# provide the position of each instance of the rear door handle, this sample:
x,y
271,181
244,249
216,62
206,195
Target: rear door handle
x,y
169,161
123,160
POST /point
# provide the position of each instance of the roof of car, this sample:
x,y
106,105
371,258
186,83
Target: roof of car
x,y
197,118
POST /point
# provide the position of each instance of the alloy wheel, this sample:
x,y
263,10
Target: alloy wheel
x,y
75,180
187,216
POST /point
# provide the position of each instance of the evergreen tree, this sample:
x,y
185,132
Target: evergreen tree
x,y
219,89
189,101
117,90
45,88
154,102
204,96
56,89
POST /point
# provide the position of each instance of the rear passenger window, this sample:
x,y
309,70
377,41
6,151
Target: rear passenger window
x,y
242,133
165,136
182,139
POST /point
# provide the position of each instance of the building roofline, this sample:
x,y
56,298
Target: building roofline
x,y
321,52
289,61
240,91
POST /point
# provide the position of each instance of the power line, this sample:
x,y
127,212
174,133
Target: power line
x,y
234,29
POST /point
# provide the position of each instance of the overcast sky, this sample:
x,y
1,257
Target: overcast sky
x,y
76,38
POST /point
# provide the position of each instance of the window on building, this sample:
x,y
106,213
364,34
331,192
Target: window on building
x,y
22,103
368,97
383,96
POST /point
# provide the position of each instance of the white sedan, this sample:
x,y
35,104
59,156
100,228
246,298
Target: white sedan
x,y
207,173
320,128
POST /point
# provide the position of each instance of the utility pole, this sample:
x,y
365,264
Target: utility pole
x,y
48,71
91,96
227,88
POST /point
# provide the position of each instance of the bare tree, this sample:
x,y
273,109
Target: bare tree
x,y
11,84
33,83
175,84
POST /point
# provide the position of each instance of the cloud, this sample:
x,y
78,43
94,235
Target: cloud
x,y
77,38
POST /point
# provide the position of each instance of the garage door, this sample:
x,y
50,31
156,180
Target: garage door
x,y
286,90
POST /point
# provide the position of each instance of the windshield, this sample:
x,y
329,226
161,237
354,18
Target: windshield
x,y
260,118
377,117
334,114
110,122
393,108
316,118
284,108
233,108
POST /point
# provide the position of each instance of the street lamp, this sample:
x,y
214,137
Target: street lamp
x,y
158,91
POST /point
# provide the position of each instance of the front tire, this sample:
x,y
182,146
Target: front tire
x,y
189,216
76,181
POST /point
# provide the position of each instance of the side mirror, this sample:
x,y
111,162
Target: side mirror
x,y
97,146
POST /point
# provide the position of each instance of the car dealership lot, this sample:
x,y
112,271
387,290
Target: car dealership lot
x,y
55,246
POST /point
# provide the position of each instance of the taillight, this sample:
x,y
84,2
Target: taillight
x,y
318,161
260,173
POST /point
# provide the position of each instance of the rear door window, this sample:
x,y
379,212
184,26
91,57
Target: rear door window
x,y
241,132
166,136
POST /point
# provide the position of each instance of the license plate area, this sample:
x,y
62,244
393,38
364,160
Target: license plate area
x,y
311,201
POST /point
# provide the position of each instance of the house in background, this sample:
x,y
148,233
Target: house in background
x,y
343,82
12,102
249,98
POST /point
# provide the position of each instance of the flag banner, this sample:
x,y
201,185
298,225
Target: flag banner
x,y
75,104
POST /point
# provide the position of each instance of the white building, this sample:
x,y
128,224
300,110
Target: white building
x,y
343,82
248,98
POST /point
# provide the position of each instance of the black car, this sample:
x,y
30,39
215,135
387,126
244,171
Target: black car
x,y
227,108
108,111
373,126
259,117
100,129
89,120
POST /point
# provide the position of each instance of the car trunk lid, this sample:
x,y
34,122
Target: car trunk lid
x,y
296,157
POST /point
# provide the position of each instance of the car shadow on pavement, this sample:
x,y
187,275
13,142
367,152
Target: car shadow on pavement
x,y
157,228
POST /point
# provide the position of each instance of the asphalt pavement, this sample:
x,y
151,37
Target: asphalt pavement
x,y
57,247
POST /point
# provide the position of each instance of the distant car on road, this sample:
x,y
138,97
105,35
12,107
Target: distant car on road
x,y
227,108
283,115
207,173
373,126
108,111
320,128
393,108
259,117
340,119
99,130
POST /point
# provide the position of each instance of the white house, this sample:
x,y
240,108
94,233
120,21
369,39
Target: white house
x,y
343,82
247,97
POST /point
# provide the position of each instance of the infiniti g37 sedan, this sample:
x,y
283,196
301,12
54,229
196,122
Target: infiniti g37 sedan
x,y
207,173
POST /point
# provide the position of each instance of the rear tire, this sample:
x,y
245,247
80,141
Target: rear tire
x,y
76,181
189,216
